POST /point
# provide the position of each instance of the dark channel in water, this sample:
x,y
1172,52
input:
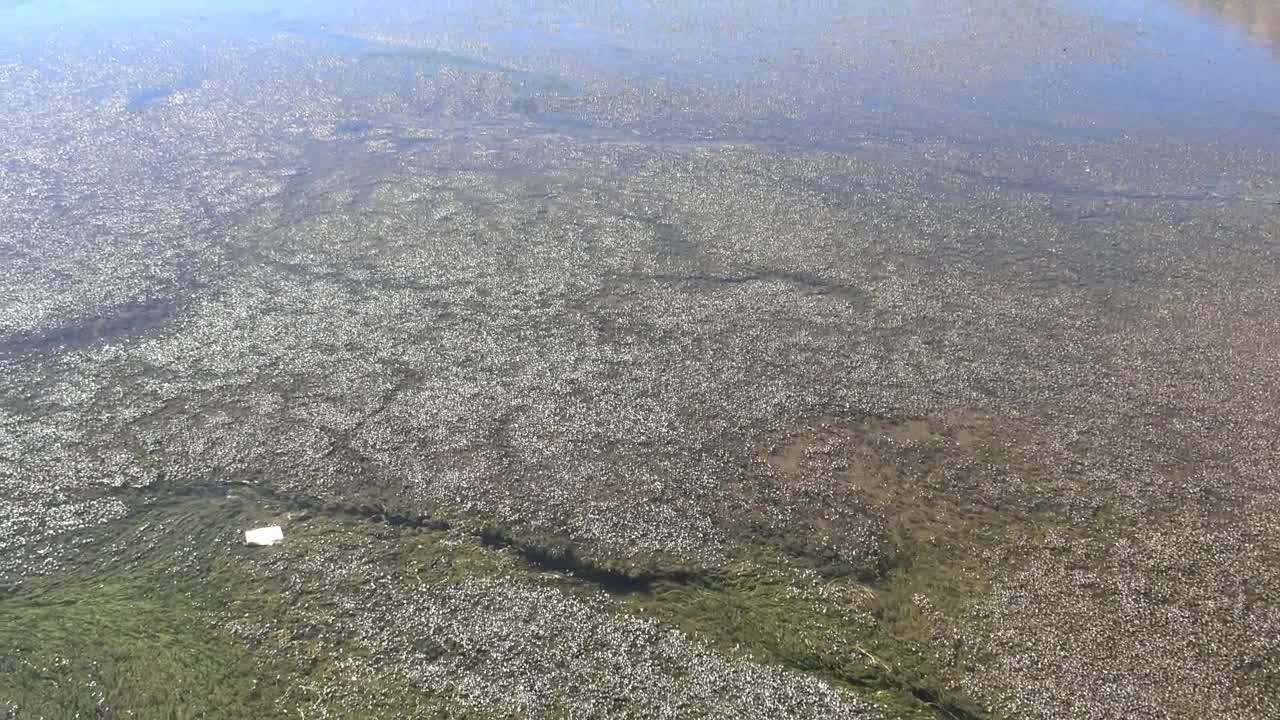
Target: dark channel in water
x,y
129,320
143,99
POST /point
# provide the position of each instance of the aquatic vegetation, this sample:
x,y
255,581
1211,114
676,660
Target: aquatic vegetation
x,y
354,618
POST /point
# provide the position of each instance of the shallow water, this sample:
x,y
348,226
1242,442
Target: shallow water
x,y
822,360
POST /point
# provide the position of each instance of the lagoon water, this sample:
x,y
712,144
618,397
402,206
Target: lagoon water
x,y
640,359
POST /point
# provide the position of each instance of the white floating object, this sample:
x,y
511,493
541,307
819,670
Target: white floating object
x,y
269,535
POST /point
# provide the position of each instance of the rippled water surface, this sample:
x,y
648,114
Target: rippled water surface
x,y
640,359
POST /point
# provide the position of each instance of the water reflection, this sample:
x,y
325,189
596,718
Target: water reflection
x,y
1259,19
